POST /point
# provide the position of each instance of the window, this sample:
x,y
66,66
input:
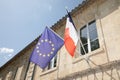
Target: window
x,y
89,37
52,64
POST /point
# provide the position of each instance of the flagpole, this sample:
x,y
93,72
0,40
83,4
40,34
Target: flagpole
x,y
86,57
66,10
58,65
55,33
77,35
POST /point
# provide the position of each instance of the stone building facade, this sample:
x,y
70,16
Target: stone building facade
x,y
98,25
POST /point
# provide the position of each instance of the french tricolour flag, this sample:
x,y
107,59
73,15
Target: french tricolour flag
x,y
70,36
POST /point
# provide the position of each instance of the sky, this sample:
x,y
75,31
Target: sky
x,y
21,21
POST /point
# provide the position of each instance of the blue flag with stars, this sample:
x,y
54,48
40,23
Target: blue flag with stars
x,y
48,45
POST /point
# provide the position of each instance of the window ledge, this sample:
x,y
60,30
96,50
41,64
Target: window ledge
x,y
92,53
48,71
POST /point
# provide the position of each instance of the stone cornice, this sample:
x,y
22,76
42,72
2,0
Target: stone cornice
x,y
99,68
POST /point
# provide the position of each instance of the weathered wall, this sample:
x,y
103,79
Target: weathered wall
x,y
103,61
17,68
106,13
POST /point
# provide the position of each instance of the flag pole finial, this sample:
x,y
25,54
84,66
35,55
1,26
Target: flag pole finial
x,y
66,9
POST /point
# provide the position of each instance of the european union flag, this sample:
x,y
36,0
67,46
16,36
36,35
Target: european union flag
x,y
48,45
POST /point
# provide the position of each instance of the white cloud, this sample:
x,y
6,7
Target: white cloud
x,y
6,50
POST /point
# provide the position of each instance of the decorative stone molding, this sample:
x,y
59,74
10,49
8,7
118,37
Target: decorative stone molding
x,y
99,68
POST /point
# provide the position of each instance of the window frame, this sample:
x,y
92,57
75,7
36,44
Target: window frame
x,y
89,45
52,64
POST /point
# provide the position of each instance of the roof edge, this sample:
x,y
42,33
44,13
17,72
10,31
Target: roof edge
x,y
72,12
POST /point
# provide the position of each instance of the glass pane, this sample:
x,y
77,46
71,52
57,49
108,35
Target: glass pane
x,y
93,35
83,35
95,45
55,61
86,49
84,40
83,30
92,26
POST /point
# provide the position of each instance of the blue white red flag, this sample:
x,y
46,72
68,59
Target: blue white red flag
x,y
70,37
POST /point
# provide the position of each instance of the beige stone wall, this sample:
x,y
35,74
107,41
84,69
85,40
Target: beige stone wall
x,y
110,18
107,15
17,69
101,61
